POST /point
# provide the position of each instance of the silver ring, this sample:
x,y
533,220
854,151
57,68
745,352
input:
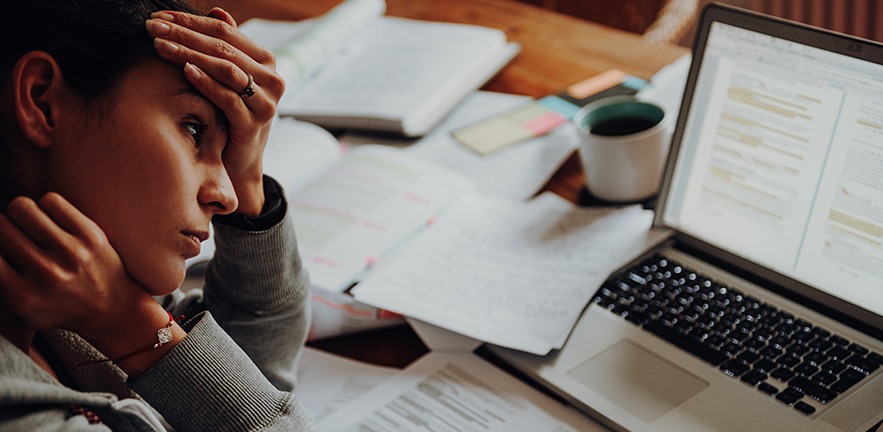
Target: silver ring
x,y
248,92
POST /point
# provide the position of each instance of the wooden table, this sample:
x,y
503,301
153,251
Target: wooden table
x,y
557,50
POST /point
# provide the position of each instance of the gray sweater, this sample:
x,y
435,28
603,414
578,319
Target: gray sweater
x,y
233,372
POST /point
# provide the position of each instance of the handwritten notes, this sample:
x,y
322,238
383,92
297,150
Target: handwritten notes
x,y
512,273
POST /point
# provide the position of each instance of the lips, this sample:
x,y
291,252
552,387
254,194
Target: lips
x,y
199,236
196,237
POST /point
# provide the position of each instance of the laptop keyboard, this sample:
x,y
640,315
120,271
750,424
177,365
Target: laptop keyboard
x,y
767,348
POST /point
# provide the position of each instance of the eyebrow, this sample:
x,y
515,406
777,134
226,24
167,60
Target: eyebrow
x,y
218,117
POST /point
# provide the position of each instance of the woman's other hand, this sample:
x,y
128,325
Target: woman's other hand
x,y
58,270
223,64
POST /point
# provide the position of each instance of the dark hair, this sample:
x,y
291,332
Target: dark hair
x,y
94,42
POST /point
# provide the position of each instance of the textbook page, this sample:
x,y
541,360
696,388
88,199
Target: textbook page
x,y
511,273
327,382
456,392
301,55
303,48
518,171
362,207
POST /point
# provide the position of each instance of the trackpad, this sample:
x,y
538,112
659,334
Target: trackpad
x,y
637,380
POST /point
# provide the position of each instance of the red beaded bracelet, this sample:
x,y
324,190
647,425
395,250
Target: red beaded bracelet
x,y
163,336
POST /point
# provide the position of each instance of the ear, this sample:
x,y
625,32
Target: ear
x,y
37,89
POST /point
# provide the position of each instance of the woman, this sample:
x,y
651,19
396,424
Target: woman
x,y
126,127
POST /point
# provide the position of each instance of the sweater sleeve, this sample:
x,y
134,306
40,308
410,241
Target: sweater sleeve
x,y
257,290
208,383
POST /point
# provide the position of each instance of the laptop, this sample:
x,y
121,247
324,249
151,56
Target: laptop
x,y
762,308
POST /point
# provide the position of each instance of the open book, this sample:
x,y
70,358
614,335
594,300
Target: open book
x,y
354,68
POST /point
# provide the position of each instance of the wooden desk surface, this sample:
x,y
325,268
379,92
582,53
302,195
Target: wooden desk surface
x,y
557,50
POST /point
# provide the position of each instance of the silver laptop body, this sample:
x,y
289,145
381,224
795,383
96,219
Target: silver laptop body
x,y
772,209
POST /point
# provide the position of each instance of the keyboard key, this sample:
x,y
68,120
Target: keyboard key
x,y
730,349
847,381
708,354
735,367
839,352
783,374
812,389
821,345
771,352
755,344
833,366
789,360
765,365
820,332
786,317
803,326
804,408
815,358
790,395
779,342
786,328
803,337
748,356
876,358
838,340
862,364
739,334
767,388
824,378
715,340
806,369
754,377
854,347
798,348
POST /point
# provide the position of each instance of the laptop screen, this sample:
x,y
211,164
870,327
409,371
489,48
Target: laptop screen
x,y
780,162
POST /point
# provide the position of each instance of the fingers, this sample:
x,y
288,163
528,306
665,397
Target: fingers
x,y
37,237
19,248
222,15
71,219
34,223
215,45
230,102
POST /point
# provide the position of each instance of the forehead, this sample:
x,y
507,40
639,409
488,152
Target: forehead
x,y
153,78
159,83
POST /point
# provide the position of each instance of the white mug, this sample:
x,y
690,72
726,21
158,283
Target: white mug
x,y
624,144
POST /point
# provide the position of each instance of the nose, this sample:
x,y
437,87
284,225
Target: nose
x,y
217,192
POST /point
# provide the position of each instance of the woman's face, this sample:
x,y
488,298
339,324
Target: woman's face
x,y
147,169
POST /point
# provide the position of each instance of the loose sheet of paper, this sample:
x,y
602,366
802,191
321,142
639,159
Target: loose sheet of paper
x,y
456,392
512,273
326,382
518,171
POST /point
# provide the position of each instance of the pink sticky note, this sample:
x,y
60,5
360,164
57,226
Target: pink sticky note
x,y
543,124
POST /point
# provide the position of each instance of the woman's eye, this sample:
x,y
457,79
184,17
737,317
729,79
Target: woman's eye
x,y
196,131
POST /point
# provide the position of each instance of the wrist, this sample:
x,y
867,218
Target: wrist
x,y
140,339
251,197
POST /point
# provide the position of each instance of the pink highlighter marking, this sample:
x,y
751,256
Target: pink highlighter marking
x,y
323,261
411,197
